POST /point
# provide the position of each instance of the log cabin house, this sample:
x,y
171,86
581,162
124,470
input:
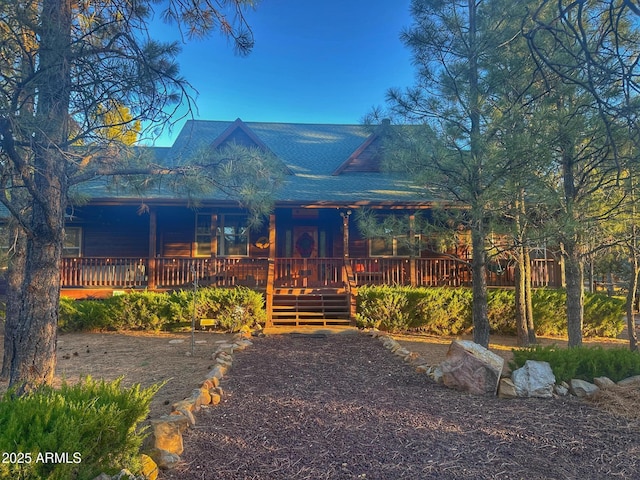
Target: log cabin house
x,y
308,258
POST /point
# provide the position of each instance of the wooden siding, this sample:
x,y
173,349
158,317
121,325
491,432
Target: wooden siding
x,y
113,231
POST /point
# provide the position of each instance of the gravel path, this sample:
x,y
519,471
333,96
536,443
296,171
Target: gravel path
x,y
342,407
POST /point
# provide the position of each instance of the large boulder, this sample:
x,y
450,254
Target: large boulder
x,y
471,368
534,379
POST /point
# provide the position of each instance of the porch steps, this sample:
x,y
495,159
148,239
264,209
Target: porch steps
x,y
310,307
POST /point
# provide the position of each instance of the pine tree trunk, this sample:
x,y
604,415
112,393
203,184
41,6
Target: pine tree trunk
x,y
479,286
521,299
34,304
35,310
15,277
631,301
528,293
575,294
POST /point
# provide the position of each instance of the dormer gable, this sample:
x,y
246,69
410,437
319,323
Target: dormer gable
x,y
366,158
240,133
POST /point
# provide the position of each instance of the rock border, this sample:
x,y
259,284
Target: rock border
x,y
507,389
165,445
167,430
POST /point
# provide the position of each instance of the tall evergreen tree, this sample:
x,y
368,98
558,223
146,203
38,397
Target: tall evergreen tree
x,y
62,63
451,151
584,51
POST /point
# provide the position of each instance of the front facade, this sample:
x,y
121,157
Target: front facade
x,y
310,244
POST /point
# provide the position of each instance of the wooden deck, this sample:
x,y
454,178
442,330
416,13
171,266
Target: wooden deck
x,y
95,274
318,291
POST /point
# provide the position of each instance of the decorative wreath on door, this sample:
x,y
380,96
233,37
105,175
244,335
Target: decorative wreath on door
x,y
304,245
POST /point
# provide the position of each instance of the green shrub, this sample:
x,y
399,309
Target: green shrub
x,y
95,424
445,311
151,311
85,315
549,311
141,311
441,311
502,311
384,308
603,316
448,311
584,363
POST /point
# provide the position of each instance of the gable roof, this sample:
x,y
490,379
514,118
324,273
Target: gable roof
x,y
366,158
328,164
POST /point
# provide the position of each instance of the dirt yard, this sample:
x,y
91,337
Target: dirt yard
x,y
139,358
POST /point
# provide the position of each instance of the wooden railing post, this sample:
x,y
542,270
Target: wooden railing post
x,y
352,289
271,270
153,232
269,291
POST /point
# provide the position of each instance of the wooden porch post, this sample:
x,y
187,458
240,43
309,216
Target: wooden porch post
x,y
345,233
352,289
153,235
413,277
214,237
271,269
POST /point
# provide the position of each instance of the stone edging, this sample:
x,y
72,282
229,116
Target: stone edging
x,y
506,387
166,431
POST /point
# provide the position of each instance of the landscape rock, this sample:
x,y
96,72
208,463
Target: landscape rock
x,y
103,476
187,414
603,382
507,389
149,467
561,390
223,361
471,368
580,388
402,352
391,345
167,433
534,379
124,474
225,347
201,396
218,372
436,374
423,368
630,381
165,460
186,405
414,358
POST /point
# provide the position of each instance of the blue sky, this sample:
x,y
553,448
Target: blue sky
x,y
314,61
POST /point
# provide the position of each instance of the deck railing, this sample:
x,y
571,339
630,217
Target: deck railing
x,y
177,272
104,272
309,272
381,271
220,272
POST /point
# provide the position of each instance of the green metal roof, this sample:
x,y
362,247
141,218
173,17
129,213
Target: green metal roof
x,y
312,152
